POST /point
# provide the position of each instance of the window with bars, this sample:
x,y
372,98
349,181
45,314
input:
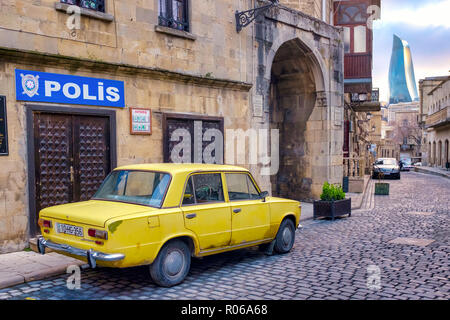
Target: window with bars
x,y
174,14
97,5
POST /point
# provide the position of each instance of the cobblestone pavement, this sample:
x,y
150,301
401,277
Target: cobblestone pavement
x,y
350,258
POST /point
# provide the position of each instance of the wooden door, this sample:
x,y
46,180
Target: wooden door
x,y
72,157
196,142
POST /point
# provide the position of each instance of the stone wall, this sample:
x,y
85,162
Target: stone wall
x,y
132,37
310,7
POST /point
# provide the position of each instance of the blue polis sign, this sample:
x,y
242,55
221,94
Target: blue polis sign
x,y
61,88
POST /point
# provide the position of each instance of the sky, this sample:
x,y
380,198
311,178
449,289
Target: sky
x,y
425,25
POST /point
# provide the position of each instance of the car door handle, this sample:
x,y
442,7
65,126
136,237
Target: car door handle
x,y
191,216
237,210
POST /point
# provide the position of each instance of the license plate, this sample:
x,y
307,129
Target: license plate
x,y
69,229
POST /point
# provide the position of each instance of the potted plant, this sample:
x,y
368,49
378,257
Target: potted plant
x,y
332,203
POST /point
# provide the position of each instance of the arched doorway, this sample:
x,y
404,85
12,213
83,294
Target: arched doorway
x,y
439,162
434,153
429,153
296,88
446,153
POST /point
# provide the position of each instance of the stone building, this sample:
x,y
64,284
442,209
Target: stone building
x,y
435,120
86,89
402,132
361,100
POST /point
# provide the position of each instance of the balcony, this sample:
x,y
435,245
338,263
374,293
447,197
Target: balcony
x,y
438,119
358,66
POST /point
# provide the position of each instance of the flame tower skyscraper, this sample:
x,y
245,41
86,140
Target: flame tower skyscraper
x,y
402,81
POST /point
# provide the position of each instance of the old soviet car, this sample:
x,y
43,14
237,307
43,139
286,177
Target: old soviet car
x,y
161,215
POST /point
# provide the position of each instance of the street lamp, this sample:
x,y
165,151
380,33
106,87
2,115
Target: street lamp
x,y
244,18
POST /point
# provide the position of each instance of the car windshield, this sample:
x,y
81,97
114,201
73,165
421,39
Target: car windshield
x,y
386,162
407,162
138,187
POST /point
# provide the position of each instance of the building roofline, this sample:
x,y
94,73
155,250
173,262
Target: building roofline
x,y
439,85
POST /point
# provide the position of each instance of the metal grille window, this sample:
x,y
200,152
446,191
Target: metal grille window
x,y
174,14
97,5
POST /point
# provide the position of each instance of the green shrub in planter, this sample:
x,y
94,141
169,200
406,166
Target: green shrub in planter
x,y
332,192
333,203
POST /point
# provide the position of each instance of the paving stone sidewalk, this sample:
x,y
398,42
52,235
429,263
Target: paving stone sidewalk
x,y
434,171
395,248
26,266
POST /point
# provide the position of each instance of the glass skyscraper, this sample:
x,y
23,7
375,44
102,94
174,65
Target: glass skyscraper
x,y
402,81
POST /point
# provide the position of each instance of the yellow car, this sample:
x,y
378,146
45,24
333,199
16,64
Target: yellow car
x,y
161,215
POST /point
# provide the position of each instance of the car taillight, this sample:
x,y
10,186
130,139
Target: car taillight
x,y
101,234
45,223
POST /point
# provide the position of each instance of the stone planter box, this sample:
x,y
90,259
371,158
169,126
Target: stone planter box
x,y
332,209
381,189
356,185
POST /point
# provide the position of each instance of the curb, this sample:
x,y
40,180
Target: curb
x,y
34,276
12,280
363,194
434,173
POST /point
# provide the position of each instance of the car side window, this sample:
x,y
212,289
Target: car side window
x,y
189,197
241,187
203,188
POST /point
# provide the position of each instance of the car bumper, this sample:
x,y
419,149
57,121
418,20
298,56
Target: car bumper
x,y
386,173
91,255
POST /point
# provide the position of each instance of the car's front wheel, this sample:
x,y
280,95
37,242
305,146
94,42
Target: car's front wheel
x,y
285,237
172,264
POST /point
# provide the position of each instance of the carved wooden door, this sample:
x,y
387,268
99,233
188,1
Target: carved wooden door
x,y
71,157
190,138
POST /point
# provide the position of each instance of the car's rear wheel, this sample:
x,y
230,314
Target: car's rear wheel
x,y
172,264
285,238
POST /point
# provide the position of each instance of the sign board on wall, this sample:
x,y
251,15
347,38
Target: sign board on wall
x,y
3,128
140,121
61,88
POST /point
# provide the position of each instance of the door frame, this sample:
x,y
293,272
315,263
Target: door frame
x,y
65,110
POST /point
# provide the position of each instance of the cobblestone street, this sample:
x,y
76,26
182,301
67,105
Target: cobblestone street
x,y
342,259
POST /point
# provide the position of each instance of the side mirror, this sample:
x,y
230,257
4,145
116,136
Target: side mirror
x,y
263,195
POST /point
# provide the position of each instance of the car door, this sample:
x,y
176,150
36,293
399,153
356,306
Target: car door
x,y
250,220
205,211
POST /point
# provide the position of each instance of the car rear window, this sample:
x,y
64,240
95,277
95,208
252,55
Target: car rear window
x,y
137,187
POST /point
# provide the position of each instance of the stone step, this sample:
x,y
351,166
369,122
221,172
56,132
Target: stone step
x,y
33,246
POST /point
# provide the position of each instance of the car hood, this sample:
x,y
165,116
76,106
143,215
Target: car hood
x,y
93,212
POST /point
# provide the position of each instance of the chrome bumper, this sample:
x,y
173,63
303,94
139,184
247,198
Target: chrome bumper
x,y
91,255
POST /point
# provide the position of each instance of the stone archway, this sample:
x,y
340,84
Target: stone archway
x,y
446,153
298,109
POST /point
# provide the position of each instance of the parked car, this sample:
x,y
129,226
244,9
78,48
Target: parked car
x,y
386,167
162,214
406,164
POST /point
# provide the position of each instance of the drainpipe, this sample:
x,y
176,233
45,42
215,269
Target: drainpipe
x,y
324,10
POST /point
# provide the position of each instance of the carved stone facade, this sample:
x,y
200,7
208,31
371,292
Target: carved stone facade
x,y
300,76
283,72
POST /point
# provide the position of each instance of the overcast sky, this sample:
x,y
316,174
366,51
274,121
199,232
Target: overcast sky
x,y
425,25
